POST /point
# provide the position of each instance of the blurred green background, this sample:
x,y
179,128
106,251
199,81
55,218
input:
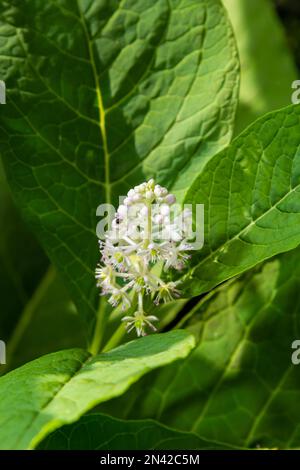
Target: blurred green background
x,y
289,13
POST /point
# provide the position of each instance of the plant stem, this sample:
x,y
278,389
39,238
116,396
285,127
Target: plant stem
x,y
120,332
27,314
140,303
149,226
115,339
101,321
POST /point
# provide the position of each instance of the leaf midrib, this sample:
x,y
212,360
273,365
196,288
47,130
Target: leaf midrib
x,y
101,109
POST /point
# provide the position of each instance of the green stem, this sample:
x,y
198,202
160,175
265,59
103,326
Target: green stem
x,y
28,314
149,226
140,303
115,339
101,322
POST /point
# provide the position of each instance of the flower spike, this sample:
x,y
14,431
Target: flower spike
x,y
145,231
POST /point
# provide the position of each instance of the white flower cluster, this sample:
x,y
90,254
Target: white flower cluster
x,y
146,230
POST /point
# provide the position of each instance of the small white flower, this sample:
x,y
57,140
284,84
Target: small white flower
x,y
170,199
167,292
149,195
139,321
144,211
128,200
165,209
157,191
158,218
122,211
144,231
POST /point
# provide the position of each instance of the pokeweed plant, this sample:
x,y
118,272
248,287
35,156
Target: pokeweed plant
x,y
103,99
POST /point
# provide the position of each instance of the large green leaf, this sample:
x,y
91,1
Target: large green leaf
x,y
58,388
251,195
102,432
239,385
100,96
22,262
268,71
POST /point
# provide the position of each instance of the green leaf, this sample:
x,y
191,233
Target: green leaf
x,y
267,72
239,385
100,96
22,262
102,432
251,197
58,388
